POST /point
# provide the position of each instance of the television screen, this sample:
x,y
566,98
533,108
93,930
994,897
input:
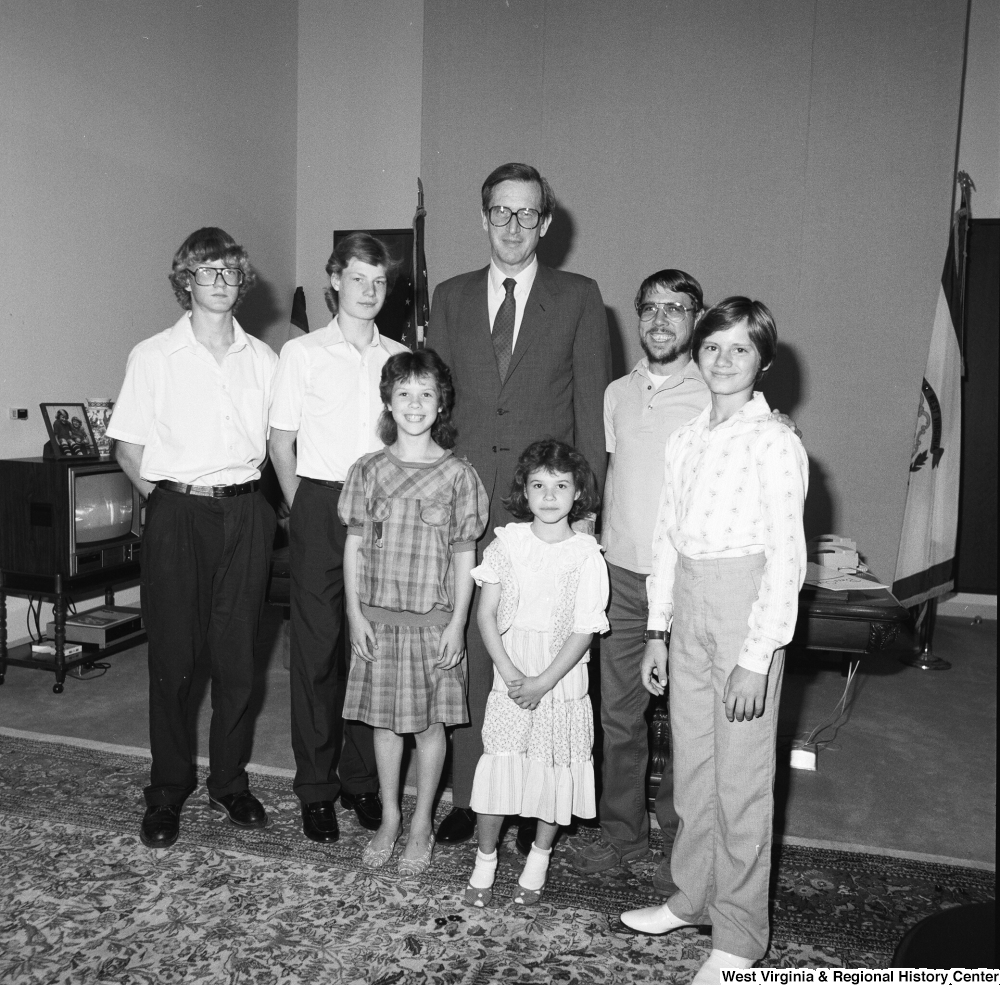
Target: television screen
x,y
103,506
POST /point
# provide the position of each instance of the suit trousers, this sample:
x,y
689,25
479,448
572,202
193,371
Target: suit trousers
x,y
467,740
205,566
624,701
316,539
723,771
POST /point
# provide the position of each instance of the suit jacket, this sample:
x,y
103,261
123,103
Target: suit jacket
x,y
559,370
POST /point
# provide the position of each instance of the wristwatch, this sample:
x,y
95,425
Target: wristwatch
x,y
654,634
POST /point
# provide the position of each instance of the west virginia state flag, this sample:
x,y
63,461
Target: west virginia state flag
x,y
926,562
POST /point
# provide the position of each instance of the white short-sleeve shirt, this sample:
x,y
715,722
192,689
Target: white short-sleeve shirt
x,y
327,392
199,422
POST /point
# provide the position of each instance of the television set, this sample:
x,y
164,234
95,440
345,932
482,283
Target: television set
x,y
68,518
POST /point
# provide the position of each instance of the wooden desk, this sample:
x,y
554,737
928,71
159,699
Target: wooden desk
x,y
860,623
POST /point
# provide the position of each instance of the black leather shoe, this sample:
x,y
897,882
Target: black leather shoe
x,y
367,808
242,808
526,835
160,825
319,822
458,826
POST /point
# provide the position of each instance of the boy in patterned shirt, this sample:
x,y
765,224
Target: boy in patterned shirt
x,y
729,558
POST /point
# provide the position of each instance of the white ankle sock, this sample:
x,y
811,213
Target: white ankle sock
x,y
535,867
485,871
710,972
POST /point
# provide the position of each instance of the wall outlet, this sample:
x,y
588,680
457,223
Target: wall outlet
x,y
18,413
803,755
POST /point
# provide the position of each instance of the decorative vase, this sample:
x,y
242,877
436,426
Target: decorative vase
x,y
99,413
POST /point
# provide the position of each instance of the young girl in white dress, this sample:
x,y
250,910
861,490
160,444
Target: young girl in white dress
x,y
544,592
728,562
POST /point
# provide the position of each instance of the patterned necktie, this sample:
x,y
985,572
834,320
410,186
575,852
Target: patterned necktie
x,y
503,329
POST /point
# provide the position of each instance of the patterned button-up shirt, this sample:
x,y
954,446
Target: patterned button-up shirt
x,y
730,491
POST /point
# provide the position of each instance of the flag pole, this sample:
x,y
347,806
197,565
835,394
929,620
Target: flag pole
x,y
421,307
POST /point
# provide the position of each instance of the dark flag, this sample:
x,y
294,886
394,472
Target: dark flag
x,y
421,307
299,318
926,562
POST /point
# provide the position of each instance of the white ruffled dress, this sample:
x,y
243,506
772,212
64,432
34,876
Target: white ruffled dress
x,y
540,763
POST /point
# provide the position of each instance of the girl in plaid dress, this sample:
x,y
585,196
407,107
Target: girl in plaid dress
x,y
544,592
414,513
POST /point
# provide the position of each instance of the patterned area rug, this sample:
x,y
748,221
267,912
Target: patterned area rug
x,y
81,900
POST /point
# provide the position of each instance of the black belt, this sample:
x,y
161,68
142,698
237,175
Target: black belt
x,y
329,483
215,492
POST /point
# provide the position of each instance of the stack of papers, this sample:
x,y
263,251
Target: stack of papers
x,y
834,580
833,563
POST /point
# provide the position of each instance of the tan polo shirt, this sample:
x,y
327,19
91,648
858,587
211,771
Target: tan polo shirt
x,y
638,419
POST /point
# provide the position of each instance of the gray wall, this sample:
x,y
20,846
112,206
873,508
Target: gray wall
x,y
979,154
358,126
801,153
124,126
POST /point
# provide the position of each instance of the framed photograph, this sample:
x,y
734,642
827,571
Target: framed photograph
x,y
396,317
70,434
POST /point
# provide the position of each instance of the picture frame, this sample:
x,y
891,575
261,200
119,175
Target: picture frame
x,y
70,433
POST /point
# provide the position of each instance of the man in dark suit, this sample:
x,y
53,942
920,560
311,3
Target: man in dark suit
x,y
530,355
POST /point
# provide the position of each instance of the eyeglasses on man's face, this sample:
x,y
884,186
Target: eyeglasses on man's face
x,y
209,276
673,311
500,215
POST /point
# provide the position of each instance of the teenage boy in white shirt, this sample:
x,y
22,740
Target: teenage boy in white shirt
x,y
190,427
324,413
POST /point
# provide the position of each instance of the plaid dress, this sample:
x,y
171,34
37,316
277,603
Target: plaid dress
x,y
412,518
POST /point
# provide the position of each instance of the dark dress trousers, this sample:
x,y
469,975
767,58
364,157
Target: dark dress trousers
x,y
205,564
554,387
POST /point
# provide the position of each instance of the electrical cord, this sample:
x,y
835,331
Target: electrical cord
x,y
32,612
78,672
839,718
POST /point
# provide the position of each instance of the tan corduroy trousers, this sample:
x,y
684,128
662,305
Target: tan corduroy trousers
x,y
723,771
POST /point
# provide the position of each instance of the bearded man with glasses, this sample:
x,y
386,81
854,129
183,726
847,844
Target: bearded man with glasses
x,y
641,410
664,390
530,355
190,427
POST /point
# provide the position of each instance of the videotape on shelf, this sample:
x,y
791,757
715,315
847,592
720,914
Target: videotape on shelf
x,y
103,626
46,650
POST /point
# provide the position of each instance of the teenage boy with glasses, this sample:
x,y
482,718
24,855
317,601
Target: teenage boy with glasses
x,y
190,427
